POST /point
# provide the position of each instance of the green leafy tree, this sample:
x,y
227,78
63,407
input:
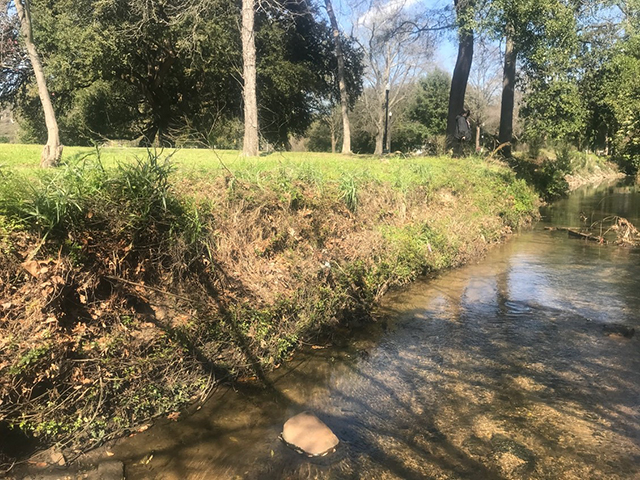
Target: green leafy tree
x,y
423,114
615,104
430,105
296,72
541,37
554,110
611,64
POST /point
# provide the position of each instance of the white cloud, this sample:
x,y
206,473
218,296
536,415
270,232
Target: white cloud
x,y
380,13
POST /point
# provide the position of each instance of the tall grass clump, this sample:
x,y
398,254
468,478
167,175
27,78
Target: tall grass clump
x,y
131,200
349,191
48,202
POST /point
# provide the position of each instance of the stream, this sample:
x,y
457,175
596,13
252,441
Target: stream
x,y
506,369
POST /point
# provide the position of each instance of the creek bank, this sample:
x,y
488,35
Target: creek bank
x,y
144,295
595,176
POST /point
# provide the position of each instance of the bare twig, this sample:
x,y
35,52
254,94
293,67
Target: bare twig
x,y
142,285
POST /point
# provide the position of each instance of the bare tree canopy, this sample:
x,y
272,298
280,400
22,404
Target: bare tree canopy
x,y
395,55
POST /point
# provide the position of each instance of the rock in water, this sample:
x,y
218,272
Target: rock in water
x,y
616,330
306,432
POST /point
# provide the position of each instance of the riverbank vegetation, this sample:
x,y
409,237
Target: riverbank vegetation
x,y
555,172
128,288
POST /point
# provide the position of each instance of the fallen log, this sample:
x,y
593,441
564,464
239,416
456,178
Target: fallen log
x,y
586,236
573,233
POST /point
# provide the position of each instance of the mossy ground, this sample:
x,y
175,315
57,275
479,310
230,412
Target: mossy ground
x,y
127,289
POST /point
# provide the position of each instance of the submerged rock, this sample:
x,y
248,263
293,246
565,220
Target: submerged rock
x,y
52,456
309,435
615,330
111,470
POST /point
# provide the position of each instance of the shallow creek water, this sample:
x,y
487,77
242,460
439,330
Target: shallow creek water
x,y
500,369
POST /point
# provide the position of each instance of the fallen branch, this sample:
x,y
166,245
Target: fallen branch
x,y
586,236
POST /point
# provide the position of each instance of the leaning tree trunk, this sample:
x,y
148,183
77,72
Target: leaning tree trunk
x,y
508,95
250,145
53,149
461,71
342,83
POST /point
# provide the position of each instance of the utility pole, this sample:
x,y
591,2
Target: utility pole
x,y
390,116
386,119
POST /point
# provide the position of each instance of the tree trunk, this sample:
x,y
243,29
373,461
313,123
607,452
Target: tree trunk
x,y
149,135
342,83
250,145
334,141
462,69
380,137
477,137
53,149
508,95
379,144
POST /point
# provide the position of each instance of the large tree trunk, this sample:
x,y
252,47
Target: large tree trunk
x,y
250,144
379,149
342,83
508,95
53,149
462,69
379,144
334,139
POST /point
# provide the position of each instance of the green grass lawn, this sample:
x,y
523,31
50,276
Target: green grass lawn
x,y
202,165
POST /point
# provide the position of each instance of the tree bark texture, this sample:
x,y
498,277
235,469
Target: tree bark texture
x,y
342,83
508,95
462,69
250,144
334,141
53,149
379,149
